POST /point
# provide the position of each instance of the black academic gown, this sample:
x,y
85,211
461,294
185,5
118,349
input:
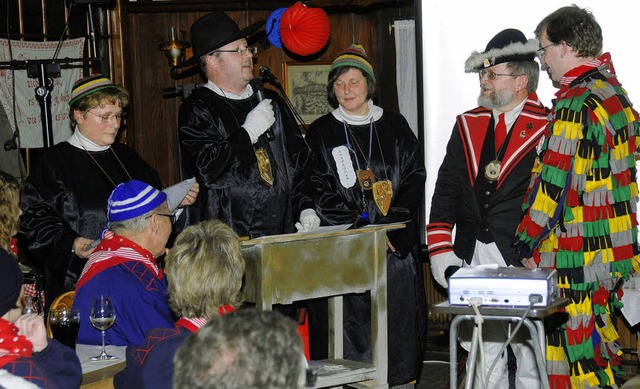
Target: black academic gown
x,y
65,197
402,163
218,152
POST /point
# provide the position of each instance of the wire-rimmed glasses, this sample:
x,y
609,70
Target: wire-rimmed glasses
x,y
239,50
491,75
543,50
106,118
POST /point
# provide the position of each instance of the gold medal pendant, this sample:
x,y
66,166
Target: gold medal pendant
x,y
492,170
366,178
382,193
264,166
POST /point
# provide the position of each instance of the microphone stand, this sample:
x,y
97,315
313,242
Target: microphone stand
x,y
44,70
284,96
47,69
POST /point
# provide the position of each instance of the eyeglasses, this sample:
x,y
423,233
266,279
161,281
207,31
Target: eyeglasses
x,y
107,118
242,51
543,50
172,217
491,75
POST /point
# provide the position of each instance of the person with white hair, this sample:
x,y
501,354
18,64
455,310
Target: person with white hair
x,y
123,267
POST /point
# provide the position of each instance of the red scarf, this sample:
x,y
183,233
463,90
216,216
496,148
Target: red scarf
x,y
580,70
12,345
194,324
112,251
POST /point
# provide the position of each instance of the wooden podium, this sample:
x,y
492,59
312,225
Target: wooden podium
x,y
282,269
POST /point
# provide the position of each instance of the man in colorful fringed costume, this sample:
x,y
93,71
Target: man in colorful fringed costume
x,y
481,184
580,214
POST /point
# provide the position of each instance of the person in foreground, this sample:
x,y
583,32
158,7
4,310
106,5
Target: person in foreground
x,y
123,267
246,349
204,276
29,358
481,183
367,169
248,155
580,217
64,197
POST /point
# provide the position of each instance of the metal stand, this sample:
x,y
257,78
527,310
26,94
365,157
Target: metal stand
x,y
500,313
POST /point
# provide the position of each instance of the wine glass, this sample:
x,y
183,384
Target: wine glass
x,y
102,316
64,323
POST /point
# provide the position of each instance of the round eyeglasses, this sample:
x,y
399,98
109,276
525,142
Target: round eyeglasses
x,y
106,118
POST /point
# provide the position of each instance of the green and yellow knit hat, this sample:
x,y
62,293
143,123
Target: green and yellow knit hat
x,y
88,85
354,56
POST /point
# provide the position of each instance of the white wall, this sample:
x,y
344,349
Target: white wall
x,y
452,30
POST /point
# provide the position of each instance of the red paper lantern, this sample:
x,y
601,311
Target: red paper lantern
x,y
304,30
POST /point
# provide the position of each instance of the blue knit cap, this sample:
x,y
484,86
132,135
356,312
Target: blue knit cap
x,y
132,199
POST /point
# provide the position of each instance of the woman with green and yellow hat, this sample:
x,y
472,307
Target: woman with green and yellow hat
x,y
368,169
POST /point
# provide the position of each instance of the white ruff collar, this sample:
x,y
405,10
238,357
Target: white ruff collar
x,y
374,112
248,91
82,142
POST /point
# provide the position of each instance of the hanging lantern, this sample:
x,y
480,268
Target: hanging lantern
x,y
304,30
273,27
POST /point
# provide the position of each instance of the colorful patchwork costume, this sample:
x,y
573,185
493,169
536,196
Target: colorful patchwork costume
x,y
581,220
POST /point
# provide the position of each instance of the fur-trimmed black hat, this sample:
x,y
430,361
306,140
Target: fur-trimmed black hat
x,y
507,46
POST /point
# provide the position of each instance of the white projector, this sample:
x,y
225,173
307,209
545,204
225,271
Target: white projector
x,y
504,286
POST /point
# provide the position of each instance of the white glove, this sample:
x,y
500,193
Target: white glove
x,y
440,263
308,220
259,120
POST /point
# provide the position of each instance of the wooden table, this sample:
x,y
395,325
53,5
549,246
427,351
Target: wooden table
x,y
286,268
99,375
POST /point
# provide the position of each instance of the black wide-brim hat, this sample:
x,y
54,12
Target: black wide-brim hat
x,y
508,45
215,30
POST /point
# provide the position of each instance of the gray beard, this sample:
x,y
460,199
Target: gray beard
x,y
495,101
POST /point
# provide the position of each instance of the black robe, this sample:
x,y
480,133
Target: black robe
x,y
402,163
218,152
65,197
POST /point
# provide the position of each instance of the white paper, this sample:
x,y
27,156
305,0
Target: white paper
x,y
176,193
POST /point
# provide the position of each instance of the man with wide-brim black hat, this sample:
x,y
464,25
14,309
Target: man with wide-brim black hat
x,y
482,183
247,153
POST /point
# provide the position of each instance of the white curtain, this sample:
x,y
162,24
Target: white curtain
x,y
405,34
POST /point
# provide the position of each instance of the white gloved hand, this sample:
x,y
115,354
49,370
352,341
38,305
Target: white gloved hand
x,y
259,120
309,220
440,263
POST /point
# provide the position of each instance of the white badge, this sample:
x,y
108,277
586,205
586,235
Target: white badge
x,y
344,165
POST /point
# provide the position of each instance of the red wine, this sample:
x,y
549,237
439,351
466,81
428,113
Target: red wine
x,y
66,333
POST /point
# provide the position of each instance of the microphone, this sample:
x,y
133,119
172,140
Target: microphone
x,y
267,76
11,144
259,93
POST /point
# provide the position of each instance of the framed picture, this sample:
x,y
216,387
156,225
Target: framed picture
x,y
306,87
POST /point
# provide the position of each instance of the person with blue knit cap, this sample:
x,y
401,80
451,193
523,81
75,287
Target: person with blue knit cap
x,y
123,267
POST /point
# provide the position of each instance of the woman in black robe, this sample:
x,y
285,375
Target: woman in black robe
x,y
368,169
64,199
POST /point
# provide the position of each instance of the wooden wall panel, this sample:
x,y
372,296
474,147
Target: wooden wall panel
x,y
151,127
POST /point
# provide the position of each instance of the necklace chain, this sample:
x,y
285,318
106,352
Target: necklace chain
x,y
104,171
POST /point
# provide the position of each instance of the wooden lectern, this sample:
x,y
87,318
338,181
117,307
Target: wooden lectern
x,y
286,268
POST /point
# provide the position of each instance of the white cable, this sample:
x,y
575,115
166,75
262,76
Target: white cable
x,y
506,343
475,303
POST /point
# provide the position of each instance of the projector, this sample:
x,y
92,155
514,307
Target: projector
x,y
504,286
